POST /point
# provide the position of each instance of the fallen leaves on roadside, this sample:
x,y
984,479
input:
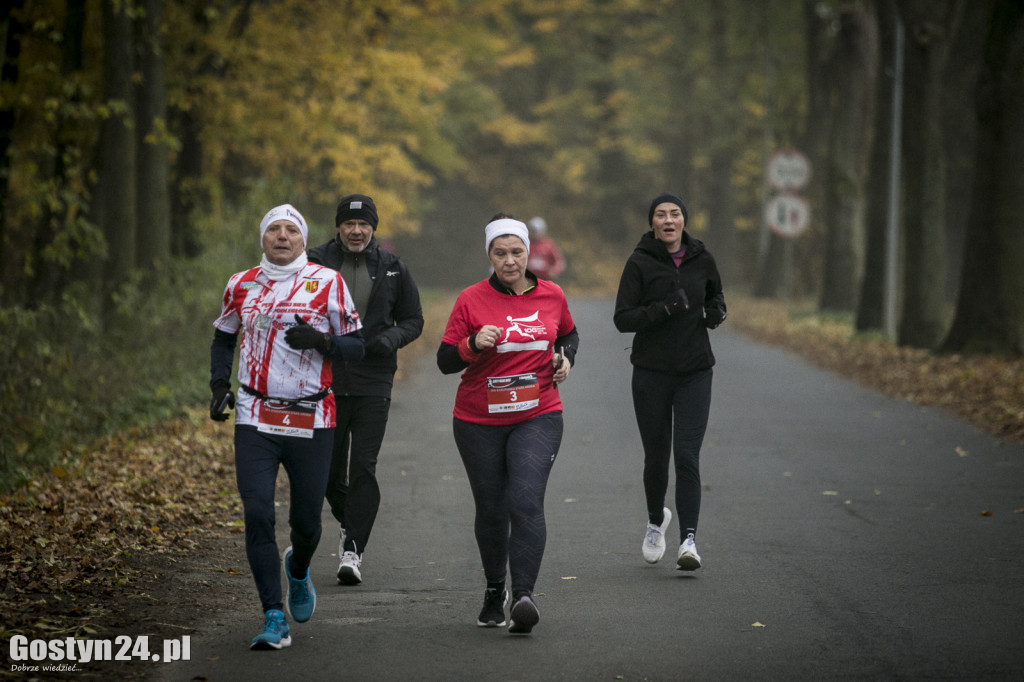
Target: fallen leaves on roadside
x,y
986,390
70,539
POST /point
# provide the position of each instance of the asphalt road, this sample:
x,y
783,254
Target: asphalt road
x,y
845,536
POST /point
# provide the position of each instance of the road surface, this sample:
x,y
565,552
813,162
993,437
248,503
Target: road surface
x,y
845,535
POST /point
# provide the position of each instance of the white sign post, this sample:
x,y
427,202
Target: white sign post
x,y
787,214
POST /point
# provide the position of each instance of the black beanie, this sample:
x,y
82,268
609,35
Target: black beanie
x,y
356,206
667,198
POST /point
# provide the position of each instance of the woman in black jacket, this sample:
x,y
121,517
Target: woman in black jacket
x,y
669,295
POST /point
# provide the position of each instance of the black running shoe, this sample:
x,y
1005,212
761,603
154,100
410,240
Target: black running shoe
x,y
492,615
524,616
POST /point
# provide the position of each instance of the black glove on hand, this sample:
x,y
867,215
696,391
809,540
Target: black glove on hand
x,y
380,346
713,317
223,398
302,336
677,301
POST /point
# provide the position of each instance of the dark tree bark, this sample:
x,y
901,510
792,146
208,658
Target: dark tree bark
x,y
854,69
990,308
114,205
11,56
930,29
871,306
154,208
188,190
719,200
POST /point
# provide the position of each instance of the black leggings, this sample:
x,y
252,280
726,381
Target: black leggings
x,y
508,468
258,457
672,413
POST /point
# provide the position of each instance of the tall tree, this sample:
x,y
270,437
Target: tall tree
x,y
152,139
114,208
871,306
10,55
990,308
853,68
54,267
930,30
719,200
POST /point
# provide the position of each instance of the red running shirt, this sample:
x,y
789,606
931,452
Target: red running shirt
x,y
512,382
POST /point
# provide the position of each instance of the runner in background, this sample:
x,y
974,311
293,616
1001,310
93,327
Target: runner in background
x,y
546,260
669,296
389,307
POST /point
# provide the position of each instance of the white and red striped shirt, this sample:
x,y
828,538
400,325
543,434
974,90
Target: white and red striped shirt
x,y
262,310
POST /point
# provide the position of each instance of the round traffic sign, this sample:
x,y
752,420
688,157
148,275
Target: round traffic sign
x,y
788,169
787,215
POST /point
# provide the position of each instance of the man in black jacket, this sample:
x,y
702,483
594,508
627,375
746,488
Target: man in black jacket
x,y
388,304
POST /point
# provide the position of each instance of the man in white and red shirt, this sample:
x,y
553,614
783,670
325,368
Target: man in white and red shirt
x,y
293,317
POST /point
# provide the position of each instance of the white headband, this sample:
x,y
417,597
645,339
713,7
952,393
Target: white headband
x,y
284,212
505,226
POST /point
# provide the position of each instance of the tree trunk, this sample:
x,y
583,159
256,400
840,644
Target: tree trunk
x,y
854,68
990,307
11,55
930,30
114,205
719,202
64,172
154,209
871,307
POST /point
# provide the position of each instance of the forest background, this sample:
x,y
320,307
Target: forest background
x,y
141,141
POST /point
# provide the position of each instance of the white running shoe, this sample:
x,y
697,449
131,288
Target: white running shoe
x,y
341,541
348,570
688,559
654,539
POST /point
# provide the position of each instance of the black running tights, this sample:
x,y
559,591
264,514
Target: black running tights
x,y
508,468
672,414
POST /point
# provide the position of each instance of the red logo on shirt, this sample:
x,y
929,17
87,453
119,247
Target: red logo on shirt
x,y
312,286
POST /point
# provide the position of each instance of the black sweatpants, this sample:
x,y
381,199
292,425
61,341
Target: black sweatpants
x,y
352,488
672,414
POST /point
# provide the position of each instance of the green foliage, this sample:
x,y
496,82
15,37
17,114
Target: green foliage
x,y
71,376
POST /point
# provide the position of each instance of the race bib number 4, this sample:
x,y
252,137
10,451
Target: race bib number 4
x,y
288,418
512,394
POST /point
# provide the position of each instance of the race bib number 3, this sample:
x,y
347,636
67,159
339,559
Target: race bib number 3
x,y
288,418
512,394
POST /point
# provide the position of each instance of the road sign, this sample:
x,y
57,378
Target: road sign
x,y
787,215
788,170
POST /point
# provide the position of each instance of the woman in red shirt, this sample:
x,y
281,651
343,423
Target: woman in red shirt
x,y
514,341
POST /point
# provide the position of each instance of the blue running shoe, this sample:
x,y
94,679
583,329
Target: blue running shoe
x,y
301,595
275,635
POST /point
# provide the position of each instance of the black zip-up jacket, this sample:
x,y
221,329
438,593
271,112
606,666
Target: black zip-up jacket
x,y
393,319
671,329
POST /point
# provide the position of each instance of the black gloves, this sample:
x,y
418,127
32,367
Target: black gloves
x,y
676,302
223,398
714,317
380,346
302,336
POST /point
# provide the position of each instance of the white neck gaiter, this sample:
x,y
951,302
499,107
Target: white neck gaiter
x,y
282,272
